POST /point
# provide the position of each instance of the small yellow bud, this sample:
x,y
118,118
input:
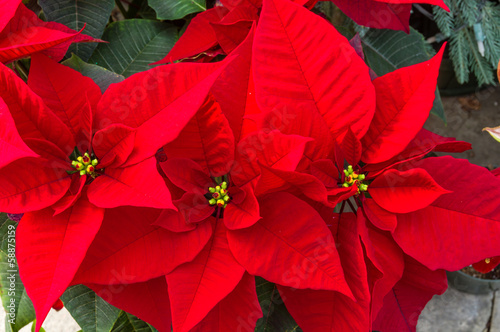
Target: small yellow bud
x,y
212,201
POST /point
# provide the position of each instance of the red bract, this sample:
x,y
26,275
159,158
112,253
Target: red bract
x,y
22,33
65,199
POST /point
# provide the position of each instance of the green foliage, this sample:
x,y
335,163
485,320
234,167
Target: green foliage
x,y
275,316
94,14
16,303
133,45
91,312
129,323
457,25
176,9
101,76
388,50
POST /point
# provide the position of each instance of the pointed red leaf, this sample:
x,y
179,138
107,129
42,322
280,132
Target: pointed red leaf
x,y
9,8
105,144
73,194
378,216
238,311
50,250
146,300
288,72
140,102
326,172
32,117
138,185
404,100
12,146
333,311
206,139
198,37
129,249
64,90
243,210
31,184
403,304
293,234
403,192
229,36
187,175
196,287
272,149
351,148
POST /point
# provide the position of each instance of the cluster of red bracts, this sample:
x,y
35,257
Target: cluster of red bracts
x,y
284,161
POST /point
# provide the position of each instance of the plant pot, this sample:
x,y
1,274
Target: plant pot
x,y
468,284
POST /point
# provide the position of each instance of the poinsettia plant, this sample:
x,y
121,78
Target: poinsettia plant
x,y
242,168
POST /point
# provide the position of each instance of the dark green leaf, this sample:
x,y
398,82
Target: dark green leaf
x,y
16,303
388,50
129,323
94,14
133,45
275,316
176,9
90,311
101,76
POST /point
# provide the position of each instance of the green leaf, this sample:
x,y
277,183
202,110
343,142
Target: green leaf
x,y
133,45
275,316
101,76
20,311
129,323
90,311
94,14
388,50
176,9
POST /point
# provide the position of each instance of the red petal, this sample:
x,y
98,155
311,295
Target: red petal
x,y
105,142
333,311
238,311
12,146
469,216
378,216
64,90
289,73
486,265
129,249
206,139
403,304
138,185
403,192
290,246
198,37
140,102
231,35
73,194
404,100
50,250
196,287
187,175
174,221
377,14
351,148
32,117
243,210
326,172
31,184
9,8
146,300
272,149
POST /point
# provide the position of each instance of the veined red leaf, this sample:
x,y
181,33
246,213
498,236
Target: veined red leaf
x,y
404,100
198,37
50,250
291,246
12,146
31,184
206,139
272,149
351,148
470,216
196,287
140,102
146,300
239,310
64,90
9,8
32,117
128,249
403,192
288,73
137,185
230,35
333,311
403,304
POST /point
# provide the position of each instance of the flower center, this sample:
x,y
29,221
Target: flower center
x,y
354,178
219,195
85,165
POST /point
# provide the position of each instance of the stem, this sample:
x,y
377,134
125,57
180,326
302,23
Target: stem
x,y
351,206
22,70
